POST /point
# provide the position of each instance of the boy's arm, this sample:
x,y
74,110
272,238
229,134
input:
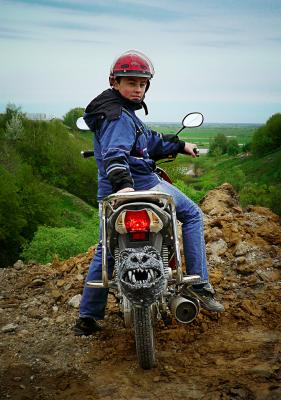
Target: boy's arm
x,y
161,146
117,138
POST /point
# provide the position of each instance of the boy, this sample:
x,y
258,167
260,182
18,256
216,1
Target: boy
x,y
126,151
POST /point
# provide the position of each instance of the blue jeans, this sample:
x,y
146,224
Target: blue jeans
x,y
94,301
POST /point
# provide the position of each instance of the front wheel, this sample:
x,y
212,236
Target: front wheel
x,y
127,312
144,336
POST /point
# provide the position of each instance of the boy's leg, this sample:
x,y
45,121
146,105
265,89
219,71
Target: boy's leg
x,y
192,231
94,300
194,245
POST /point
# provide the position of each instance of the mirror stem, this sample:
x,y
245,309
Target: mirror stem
x,y
180,130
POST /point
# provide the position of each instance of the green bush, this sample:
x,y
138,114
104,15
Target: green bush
x,y
12,218
275,198
61,242
263,195
235,176
254,194
218,145
25,203
189,191
233,147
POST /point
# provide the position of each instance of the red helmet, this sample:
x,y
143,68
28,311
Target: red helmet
x,y
131,63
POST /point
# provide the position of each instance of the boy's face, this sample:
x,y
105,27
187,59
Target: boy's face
x,y
132,88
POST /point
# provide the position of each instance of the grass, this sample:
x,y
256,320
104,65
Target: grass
x,y
262,170
70,209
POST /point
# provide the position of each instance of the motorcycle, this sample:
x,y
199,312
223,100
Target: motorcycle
x,y
140,230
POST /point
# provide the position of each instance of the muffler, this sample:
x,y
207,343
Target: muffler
x,y
184,310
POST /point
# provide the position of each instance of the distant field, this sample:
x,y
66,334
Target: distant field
x,y
203,134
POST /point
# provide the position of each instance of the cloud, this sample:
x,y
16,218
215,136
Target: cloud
x,y
15,34
75,26
114,8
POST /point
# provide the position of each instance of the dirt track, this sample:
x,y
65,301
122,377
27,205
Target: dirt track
x,y
235,355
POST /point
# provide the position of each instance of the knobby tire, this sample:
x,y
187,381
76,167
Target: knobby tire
x,y
144,337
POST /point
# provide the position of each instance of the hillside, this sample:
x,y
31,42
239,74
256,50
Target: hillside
x,y
235,355
40,163
263,170
256,179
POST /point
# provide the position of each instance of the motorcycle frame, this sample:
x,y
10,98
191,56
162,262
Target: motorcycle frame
x,y
122,198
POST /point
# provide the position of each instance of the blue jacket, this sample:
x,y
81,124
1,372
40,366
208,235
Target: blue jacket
x,y
126,150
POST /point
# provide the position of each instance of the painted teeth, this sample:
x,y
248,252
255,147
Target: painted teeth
x,y
143,276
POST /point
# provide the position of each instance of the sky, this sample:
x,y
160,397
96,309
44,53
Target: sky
x,y
219,57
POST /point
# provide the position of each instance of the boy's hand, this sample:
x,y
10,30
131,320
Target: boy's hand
x,y
188,149
124,190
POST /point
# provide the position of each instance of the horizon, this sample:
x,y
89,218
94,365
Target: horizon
x,y
48,117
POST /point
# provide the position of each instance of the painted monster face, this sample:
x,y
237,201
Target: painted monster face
x,y
141,275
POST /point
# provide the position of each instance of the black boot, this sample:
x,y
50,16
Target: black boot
x,y
86,326
205,294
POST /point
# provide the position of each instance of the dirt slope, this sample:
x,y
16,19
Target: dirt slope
x,y
235,355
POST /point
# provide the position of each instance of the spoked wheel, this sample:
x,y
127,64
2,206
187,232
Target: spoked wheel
x,y
144,336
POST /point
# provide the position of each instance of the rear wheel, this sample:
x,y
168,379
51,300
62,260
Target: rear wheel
x,y
144,336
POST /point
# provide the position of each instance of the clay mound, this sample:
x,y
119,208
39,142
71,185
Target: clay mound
x,y
235,355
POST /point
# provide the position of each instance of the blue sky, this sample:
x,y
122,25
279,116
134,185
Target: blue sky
x,y
220,57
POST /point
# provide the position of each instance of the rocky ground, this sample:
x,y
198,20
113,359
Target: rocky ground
x,y
235,355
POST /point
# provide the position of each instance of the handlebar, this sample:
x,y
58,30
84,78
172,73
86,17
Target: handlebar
x,y
196,151
87,153
90,153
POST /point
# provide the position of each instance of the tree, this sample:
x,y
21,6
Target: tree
x,y
218,145
232,147
71,117
14,128
267,138
274,130
12,219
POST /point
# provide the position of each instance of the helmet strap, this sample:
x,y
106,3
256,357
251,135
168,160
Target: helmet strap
x,y
147,86
144,107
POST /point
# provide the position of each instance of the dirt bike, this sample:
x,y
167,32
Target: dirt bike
x,y
140,230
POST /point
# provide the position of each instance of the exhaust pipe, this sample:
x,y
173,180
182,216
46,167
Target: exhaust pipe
x,y
184,310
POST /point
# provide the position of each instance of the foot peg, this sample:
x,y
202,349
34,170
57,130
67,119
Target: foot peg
x,y
100,285
191,279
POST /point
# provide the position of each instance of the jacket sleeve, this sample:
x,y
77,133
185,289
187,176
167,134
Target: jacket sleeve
x,y
161,146
117,138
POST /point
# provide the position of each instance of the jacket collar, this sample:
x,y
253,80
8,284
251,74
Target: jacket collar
x,y
110,103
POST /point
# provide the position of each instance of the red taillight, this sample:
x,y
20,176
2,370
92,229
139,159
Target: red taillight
x,y
137,221
135,236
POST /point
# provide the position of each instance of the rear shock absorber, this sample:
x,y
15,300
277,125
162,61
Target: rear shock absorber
x,y
165,259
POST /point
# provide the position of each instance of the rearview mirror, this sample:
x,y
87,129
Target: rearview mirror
x,y
193,120
81,124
